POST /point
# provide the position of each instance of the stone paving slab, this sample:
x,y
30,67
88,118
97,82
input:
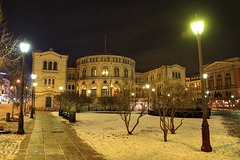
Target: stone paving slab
x,y
50,139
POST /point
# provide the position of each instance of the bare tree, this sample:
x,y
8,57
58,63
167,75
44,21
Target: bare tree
x,y
87,101
8,45
174,98
125,106
107,101
14,71
70,101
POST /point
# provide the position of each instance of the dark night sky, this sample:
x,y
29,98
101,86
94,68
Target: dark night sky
x,y
152,32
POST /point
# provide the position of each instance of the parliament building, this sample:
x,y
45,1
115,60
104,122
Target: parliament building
x,y
95,76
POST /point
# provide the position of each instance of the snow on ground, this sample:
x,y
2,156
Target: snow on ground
x,y
10,143
106,133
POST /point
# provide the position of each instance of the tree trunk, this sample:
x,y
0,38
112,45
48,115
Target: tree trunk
x,y
172,127
165,130
165,134
14,95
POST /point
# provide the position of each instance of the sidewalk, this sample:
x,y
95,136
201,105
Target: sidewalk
x,y
52,140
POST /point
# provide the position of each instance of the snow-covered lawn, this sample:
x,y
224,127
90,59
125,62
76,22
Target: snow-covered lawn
x,y
10,143
106,133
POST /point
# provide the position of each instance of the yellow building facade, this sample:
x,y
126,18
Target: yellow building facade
x,y
94,76
51,69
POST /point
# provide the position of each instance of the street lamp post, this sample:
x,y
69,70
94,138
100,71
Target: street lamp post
x,y
148,86
111,86
24,48
89,99
60,110
197,27
34,76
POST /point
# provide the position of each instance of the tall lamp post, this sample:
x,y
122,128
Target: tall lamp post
x,y
111,86
148,86
34,76
24,48
197,27
60,110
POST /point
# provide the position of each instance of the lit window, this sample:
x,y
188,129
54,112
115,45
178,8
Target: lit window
x,y
93,72
105,71
125,73
116,72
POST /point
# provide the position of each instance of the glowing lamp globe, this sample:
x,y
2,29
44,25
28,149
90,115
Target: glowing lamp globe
x,y
197,27
24,47
147,86
34,76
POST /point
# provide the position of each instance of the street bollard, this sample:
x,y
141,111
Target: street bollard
x,y
8,117
72,117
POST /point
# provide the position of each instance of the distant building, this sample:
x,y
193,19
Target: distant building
x,y
5,91
193,83
94,76
156,77
223,82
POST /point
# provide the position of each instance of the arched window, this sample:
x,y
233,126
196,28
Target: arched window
x,y
72,87
83,92
125,73
73,76
179,75
84,73
210,82
104,91
50,65
53,83
69,76
116,72
93,72
228,80
173,75
105,71
93,92
49,82
45,82
55,66
45,65
219,81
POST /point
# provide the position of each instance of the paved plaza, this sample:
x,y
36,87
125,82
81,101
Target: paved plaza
x,y
47,138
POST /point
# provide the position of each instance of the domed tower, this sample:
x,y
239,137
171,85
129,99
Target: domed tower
x,y
102,75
